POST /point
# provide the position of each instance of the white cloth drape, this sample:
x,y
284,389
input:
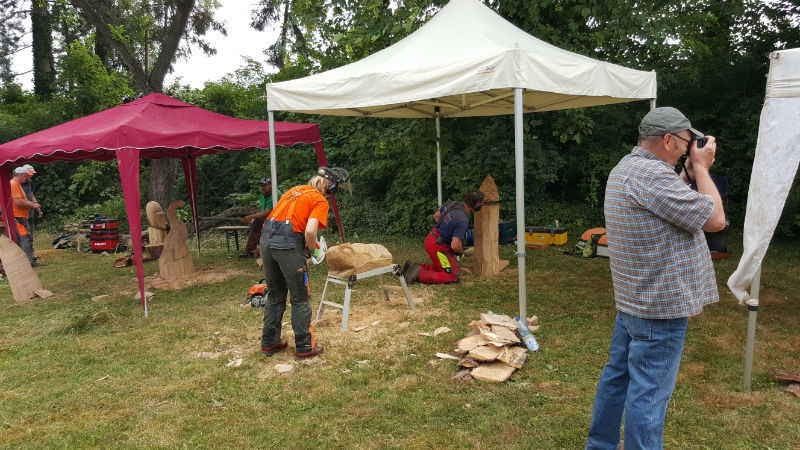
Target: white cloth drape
x,y
774,168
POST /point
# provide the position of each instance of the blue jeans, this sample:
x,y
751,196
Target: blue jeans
x,y
638,379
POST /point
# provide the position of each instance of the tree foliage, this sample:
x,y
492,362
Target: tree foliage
x,y
710,57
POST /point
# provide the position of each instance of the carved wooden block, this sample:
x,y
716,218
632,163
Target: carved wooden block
x,y
176,260
487,247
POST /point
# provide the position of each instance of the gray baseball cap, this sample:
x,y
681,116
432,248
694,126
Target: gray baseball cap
x,y
666,120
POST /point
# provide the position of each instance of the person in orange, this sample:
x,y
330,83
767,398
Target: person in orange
x,y
288,237
22,207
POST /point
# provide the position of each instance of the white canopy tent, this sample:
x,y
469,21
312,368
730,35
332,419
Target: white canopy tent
x,y
466,61
774,168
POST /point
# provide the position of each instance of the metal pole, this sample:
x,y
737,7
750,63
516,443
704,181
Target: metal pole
x,y
438,158
752,307
519,164
273,165
652,104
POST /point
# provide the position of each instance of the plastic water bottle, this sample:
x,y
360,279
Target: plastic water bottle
x,y
527,336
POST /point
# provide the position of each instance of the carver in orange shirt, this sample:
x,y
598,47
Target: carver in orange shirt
x,y
289,235
22,208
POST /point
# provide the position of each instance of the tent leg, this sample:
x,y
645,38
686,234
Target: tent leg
x,y
438,159
519,164
752,307
273,166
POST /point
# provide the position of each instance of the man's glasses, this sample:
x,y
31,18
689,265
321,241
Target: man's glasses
x,y
688,142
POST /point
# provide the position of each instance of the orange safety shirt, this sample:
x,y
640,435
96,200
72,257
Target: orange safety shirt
x,y
17,192
308,204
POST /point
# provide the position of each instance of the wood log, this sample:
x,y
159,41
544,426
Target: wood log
x,y
21,277
176,260
487,246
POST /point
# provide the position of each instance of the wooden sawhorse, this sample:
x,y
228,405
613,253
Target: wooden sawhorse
x,y
351,281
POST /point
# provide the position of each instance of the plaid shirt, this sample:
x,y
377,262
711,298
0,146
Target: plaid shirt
x,y
660,263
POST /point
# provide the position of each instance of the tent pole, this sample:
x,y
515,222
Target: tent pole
x,y
273,166
752,307
190,174
128,164
438,159
520,192
652,104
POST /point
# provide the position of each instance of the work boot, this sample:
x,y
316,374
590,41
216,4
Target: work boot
x,y
269,351
412,273
309,354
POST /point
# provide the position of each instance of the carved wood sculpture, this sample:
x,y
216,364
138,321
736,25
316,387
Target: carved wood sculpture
x,y
21,277
487,247
175,261
158,223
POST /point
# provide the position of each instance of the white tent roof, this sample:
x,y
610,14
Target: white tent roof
x,y
466,60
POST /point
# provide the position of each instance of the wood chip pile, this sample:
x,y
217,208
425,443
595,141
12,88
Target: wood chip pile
x,y
492,350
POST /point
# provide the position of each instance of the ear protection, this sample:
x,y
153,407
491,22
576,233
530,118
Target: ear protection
x,y
336,177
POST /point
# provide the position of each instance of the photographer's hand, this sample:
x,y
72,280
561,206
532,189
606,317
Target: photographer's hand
x,y
703,157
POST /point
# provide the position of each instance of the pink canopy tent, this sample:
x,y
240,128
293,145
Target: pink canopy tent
x,y
155,126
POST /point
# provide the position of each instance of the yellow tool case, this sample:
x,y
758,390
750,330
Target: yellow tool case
x,y
545,236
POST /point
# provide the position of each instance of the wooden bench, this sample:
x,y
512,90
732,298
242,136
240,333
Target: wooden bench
x,y
232,231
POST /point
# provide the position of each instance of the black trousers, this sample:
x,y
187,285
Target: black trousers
x,y
286,273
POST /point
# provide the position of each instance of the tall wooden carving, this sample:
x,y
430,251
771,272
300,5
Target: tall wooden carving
x,y
175,261
23,280
487,247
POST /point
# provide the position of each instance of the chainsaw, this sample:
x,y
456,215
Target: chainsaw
x,y
256,296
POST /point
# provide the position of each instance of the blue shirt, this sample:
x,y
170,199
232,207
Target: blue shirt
x,y
453,221
660,264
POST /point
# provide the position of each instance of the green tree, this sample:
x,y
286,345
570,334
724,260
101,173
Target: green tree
x,y
134,28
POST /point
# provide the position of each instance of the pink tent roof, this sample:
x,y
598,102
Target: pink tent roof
x,y
155,126
160,126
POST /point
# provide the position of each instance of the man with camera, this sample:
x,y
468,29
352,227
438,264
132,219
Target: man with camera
x,y
661,271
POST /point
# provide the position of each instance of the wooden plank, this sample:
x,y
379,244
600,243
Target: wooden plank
x,y
499,319
21,277
786,375
485,353
495,372
469,343
514,356
505,334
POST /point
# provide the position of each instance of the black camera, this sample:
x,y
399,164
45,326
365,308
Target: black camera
x,y
701,142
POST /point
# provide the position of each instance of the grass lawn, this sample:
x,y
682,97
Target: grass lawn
x,y
77,372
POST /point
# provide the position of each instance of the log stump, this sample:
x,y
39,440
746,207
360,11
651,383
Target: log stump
x,y
487,246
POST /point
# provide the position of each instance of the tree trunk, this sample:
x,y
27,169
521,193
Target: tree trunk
x,y
162,180
43,65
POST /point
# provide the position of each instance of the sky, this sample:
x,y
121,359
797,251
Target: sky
x,y
242,40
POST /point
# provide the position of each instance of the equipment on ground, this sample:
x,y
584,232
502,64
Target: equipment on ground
x,y
256,296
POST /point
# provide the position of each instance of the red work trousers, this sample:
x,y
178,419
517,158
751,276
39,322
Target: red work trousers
x,y
444,268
